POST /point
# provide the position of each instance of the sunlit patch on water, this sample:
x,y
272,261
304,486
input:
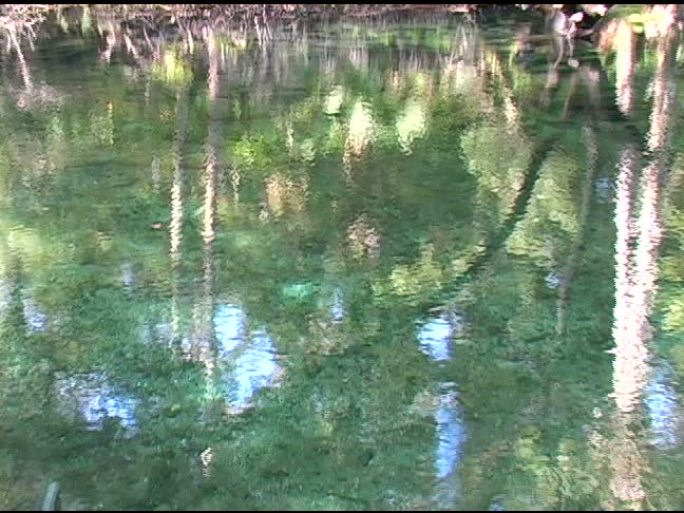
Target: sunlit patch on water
x,y
91,398
249,358
662,407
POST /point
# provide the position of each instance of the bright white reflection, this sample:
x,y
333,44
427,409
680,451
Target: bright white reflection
x,y
90,397
249,358
661,403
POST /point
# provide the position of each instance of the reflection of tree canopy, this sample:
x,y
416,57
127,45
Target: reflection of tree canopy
x,y
499,158
552,210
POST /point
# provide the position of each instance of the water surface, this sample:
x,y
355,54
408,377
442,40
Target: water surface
x,y
404,264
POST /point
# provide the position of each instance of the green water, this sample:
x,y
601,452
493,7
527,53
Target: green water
x,y
368,265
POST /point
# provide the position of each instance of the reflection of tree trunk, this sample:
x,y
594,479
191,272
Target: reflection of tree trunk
x,y
12,280
25,71
625,46
636,282
13,319
176,226
624,257
568,272
628,462
571,92
630,366
205,308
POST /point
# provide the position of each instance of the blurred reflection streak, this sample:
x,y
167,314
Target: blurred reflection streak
x,y
663,408
206,460
466,41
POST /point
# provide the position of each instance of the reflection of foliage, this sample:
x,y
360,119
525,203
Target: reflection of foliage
x,y
253,153
415,280
102,126
499,158
334,100
411,124
671,298
283,194
172,69
562,481
551,220
361,128
363,237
